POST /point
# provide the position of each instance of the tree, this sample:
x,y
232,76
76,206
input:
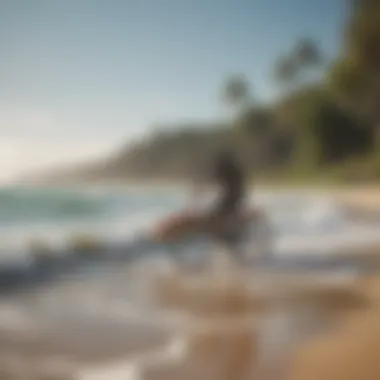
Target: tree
x,y
307,54
355,77
294,69
236,92
285,72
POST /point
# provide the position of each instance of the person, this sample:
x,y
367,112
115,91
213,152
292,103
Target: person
x,y
227,175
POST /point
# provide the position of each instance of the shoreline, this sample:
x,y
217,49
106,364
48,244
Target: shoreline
x,y
348,350
341,303
347,191
362,201
32,353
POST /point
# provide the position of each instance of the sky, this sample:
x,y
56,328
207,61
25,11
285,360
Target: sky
x,y
80,78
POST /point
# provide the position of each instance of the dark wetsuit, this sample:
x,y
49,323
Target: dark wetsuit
x,y
228,174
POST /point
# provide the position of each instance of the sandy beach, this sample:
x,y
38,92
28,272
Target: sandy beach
x,y
349,352
363,197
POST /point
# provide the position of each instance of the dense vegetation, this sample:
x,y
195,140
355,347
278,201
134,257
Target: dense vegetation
x,y
325,122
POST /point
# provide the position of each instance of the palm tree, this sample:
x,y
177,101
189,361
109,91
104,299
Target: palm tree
x,y
285,71
307,54
308,58
304,56
236,91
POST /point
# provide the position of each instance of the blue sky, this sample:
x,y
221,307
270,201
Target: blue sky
x,y
79,77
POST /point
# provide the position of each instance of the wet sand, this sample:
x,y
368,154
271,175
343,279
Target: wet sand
x,y
351,351
52,330
335,335
239,333
333,327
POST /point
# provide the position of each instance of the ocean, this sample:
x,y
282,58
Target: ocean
x,y
53,215
300,220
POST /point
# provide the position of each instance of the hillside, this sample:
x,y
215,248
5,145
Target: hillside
x,y
178,152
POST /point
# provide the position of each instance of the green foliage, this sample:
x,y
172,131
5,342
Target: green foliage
x,y
307,54
294,68
347,77
363,34
355,77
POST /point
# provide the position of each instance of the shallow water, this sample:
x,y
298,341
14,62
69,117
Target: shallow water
x,y
118,320
113,311
298,218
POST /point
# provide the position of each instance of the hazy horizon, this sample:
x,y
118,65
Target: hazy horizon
x,y
81,78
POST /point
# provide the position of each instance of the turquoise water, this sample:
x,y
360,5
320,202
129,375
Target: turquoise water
x,y
55,214
30,205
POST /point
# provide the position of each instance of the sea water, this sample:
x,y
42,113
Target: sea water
x,y
300,220
115,306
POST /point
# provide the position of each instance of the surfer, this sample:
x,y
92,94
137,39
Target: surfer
x,y
221,219
227,174
228,220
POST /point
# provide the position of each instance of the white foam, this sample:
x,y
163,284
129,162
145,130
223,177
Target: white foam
x,y
352,238
317,225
